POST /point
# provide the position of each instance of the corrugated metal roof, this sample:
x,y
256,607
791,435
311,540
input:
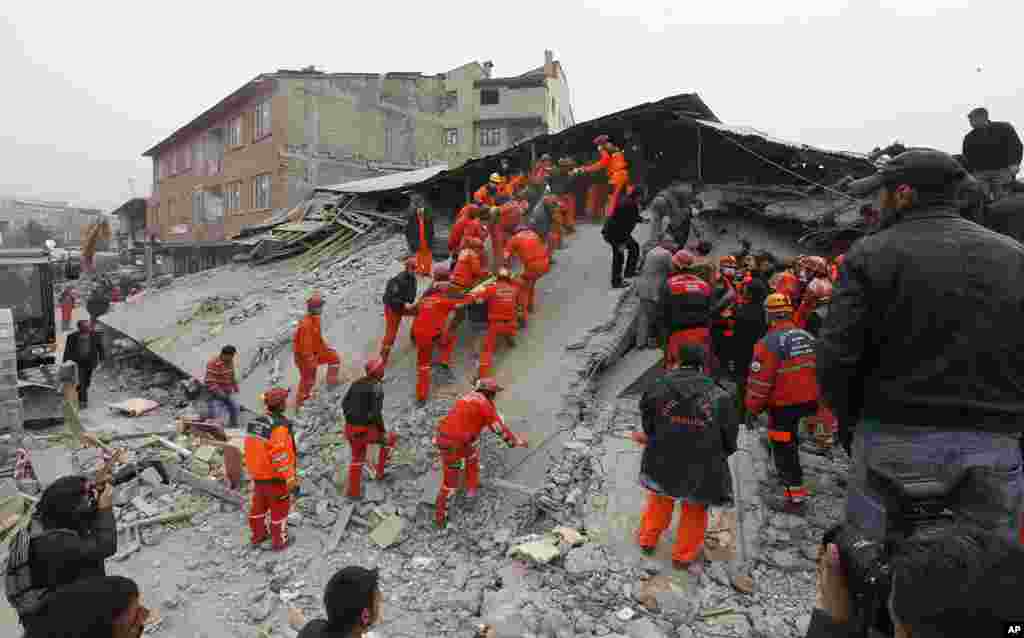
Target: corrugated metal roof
x,y
747,131
387,182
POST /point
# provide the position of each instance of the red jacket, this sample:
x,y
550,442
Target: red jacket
x,y
270,449
783,370
603,163
511,215
685,303
530,249
502,300
433,308
309,341
468,270
463,228
468,417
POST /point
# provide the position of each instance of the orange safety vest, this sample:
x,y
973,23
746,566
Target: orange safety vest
x,y
270,449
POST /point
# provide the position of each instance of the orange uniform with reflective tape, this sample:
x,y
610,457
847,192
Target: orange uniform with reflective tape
x,y
782,372
433,309
531,250
468,269
468,418
502,299
270,449
309,341
618,169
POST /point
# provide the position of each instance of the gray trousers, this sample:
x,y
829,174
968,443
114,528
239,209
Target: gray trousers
x,y
985,466
645,322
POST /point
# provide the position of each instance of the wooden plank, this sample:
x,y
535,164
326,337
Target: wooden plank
x,y
339,527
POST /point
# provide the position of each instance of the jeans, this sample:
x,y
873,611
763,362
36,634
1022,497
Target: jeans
x,y
985,467
84,381
220,404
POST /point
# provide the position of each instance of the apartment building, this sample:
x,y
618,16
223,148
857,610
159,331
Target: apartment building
x,y
268,144
64,222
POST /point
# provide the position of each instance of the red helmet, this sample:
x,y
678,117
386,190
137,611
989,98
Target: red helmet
x,y
820,288
410,264
601,139
441,272
276,398
488,384
375,367
816,265
315,301
683,259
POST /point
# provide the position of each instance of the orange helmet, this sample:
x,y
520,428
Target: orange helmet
x,y
777,303
820,288
275,398
315,302
375,367
683,259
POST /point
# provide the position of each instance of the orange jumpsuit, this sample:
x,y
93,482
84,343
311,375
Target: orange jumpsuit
x,y
467,273
502,303
311,352
424,259
271,461
782,380
430,327
484,196
618,177
824,421
557,222
457,440
531,251
597,194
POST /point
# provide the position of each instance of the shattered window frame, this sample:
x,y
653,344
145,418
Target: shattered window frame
x,y
493,97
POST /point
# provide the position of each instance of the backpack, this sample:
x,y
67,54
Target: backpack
x,y
21,594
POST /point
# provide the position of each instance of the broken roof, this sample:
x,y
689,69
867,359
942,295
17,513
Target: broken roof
x,y
394,181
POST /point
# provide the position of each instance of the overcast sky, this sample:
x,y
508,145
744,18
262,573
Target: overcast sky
x,y
89,87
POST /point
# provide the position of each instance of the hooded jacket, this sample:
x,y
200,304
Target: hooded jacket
x,y
692,427
924,327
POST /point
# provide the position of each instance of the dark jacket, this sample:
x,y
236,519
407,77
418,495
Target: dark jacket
x,y
412,230
751,325
992,147
400,290
317,629
540,218
924,327
618,228
364,403
822,626
685,303
1006,216
60,558
692,426
71,350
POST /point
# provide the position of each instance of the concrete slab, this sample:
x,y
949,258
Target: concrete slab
x,y
387,532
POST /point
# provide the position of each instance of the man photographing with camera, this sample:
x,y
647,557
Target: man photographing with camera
x,y
923,352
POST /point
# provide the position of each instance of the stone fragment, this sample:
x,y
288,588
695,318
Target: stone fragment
x,y
387,532
624,614
570,536
585,560
542,551
145,507
743,584
644,628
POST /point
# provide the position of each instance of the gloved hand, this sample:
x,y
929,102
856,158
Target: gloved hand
x,y
639,437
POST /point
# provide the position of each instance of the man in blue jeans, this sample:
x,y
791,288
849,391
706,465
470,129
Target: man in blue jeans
x,y
923,350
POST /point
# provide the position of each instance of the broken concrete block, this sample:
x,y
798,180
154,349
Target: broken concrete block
x,y
542,551
151,477
374,493
199,468
8,488
51,464
144,507
124,493
206,454
387,532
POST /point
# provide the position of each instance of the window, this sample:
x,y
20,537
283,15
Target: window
x,y
233,197
235,132
490,137
262,124
489,96
389,142
261,191
451,137
186,157
198,208
450,100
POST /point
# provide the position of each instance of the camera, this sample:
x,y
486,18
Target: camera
x,y
892,510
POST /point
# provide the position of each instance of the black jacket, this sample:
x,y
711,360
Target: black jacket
x,y
412,230
822,626
751,325
1006,216
992,147
71,350
61,558
400,290
692,426
924,327
618,228
364,403
317,629
684,305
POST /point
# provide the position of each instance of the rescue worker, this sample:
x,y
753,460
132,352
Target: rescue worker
x,y
690,428
67,307
458,436
364,425
430,328
597,192
469,215
502,299
554,235
311,351
487,194
811,317
782,381
516,181
611,161
563,186
528,247
423,225
502,215
685,311
469,271
656,268
271,462
723,326
812,270
399,297
788,283
541,171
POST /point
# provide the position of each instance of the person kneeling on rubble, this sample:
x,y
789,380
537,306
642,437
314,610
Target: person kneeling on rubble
x,y
70,536
271,462
690,428
458,441
364,425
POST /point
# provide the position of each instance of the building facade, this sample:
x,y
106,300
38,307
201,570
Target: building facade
x,y
266,146
65,223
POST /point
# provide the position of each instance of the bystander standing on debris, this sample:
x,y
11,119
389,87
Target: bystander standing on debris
x,y
70,537
364,425
221,384
85,348
993,152
922,348
690,428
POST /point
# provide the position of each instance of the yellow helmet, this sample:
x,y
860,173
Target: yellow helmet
x,y
777,303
